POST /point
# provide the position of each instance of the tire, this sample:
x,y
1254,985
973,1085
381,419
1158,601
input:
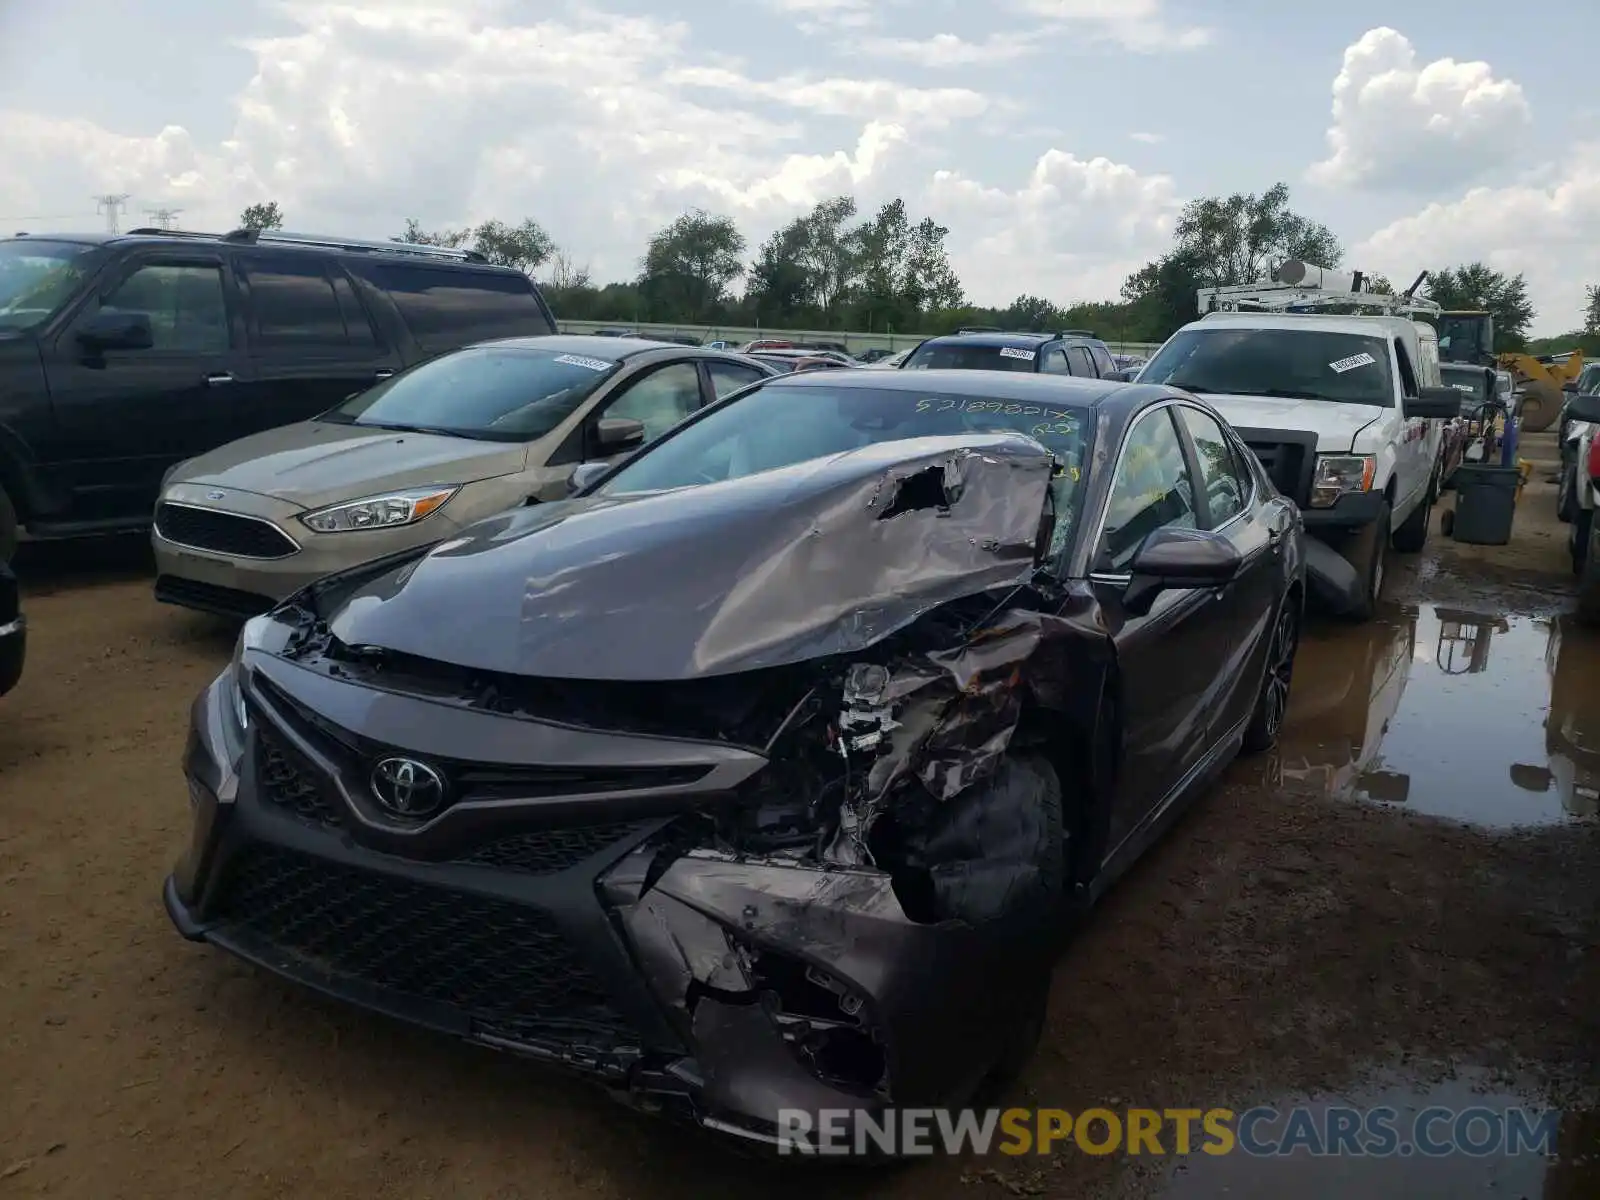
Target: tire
x,y
1272,702
8,528
1366,552
1412,536
1567,495
1589,577
1447,522
1578,539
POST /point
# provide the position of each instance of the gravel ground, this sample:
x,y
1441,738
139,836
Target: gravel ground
x,y
1286,939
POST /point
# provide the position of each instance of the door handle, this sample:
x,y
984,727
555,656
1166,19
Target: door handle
x,y
219,378
383,374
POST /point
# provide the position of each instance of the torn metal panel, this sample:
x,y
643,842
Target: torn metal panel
x,y
823,558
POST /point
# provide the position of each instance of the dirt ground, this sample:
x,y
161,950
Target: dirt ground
x,y
1289,938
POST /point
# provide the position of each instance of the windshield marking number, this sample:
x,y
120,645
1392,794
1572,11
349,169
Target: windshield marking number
x,y
1016,352
1064,416
578,360
1340,366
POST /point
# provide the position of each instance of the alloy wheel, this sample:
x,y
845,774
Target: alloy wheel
x,y
1280,670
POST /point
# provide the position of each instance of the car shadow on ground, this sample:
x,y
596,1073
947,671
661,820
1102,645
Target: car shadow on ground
x,y
45,568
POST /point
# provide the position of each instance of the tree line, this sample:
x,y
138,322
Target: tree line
x,y
886,272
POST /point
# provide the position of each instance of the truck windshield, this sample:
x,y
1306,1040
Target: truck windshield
x,y
1297,364
38,277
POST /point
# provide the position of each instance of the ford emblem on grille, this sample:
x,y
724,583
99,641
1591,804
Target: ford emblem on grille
x,y
214,495
407,787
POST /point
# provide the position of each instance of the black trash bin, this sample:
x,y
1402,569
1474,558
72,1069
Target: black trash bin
x,y
1486,502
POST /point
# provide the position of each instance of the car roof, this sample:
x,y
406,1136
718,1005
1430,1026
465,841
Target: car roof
x,y
1020,338
358,248
1021,386
613,348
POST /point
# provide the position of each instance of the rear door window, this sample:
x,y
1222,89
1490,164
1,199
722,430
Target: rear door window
x,y
294,305
446,308
1082,364
730,377
1102,360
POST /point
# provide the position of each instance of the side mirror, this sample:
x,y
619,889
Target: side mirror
x,y
111,329
619,433
1531,778
585,474
1442,403
1585,407
1124,375
1176,560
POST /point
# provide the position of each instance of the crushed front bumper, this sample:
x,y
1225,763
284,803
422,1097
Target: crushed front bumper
x,y
719,990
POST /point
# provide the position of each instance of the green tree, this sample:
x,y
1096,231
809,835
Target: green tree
x,y
1161,295
1239,238
262,216
900,271
527,247
1591,310
1478,287
416,235
779,285
1034,314
689,265
829,252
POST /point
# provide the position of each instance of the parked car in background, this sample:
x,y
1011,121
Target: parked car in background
x,y
121,355
872,355
418,457
1072,352
13,629
893,362
797,360
766,772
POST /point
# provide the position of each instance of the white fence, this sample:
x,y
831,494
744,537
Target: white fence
x,y
857,342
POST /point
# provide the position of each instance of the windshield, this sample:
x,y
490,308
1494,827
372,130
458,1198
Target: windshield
x,y
782,423
1474,381
37,278
494,393
957,356
1297,364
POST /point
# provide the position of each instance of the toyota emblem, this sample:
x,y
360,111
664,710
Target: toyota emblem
x,y
407,787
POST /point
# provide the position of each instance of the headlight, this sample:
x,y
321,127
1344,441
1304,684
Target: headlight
x,y
1340,474
379,512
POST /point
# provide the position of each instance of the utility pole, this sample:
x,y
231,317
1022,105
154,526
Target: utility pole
x,y
111,204
164,218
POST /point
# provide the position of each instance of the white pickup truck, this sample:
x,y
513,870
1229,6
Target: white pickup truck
x,y
1346,413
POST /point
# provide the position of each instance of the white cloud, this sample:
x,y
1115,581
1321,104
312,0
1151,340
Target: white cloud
x,y
1138,25
948,50
588,121
1073,231
1403,125
1547,229
1149,139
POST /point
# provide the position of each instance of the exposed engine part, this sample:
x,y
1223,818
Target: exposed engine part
x,y
866,708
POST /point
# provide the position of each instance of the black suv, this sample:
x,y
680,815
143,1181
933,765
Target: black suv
x,y
122,355
1069,352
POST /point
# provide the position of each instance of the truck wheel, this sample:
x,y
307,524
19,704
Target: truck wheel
x,y
8,529
1412,536
1589,578
1366,552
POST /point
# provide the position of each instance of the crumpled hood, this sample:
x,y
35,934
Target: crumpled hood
x,y
824,557
1335,425
313,463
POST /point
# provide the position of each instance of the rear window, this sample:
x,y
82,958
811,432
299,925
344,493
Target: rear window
x,y
446,309
1474,381
1297,364
959,356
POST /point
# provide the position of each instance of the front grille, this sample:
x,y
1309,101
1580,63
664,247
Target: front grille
x,y
284,781
222,533
1285,463
549,850
505,966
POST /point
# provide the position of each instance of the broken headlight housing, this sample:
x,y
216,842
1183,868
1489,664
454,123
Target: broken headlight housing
x,y
388,511
1340,475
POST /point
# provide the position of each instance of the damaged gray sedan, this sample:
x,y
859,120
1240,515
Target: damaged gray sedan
x,y
764,773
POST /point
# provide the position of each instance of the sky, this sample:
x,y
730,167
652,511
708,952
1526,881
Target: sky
x,y
1056,139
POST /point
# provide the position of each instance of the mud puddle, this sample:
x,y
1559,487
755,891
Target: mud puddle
x,y
1399,1137
1484,718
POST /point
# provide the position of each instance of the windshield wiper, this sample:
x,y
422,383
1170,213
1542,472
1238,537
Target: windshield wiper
x,y
442,432
1284,393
